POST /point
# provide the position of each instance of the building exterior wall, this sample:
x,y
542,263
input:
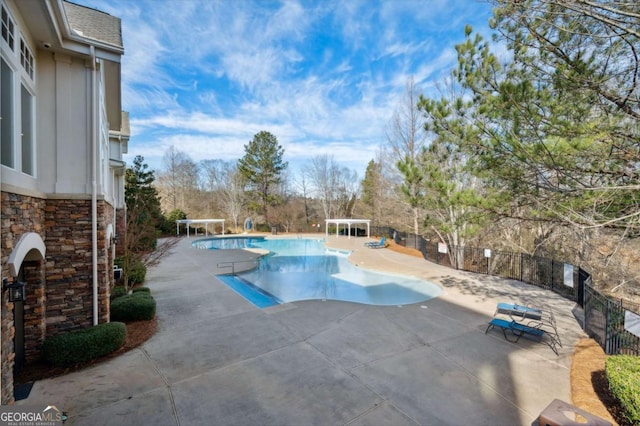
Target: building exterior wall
x,y
58,76
69,269
60,287
8,355
34,309
54,200
20,214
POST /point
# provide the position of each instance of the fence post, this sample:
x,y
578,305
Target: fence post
x,y
521,265
607,332
488,265
586,311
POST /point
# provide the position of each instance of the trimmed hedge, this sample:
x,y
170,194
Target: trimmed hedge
x,y
138,306
622,373
80,346
118,291
141,289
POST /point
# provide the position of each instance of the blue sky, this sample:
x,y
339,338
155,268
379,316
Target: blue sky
x,y
324,77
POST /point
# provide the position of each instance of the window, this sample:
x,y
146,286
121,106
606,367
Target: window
x,y
7,28
26,59
27,131
6,114
17,99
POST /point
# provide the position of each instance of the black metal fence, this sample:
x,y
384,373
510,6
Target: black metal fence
x,y
604,317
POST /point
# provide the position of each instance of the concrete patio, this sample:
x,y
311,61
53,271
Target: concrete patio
x,y
216,359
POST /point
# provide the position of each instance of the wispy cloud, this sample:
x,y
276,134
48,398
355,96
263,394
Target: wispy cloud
x,y
323,76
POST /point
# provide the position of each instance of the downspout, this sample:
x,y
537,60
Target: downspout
x,y
94,189
115,216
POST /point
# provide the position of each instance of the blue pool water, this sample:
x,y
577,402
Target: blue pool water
x,y
303,269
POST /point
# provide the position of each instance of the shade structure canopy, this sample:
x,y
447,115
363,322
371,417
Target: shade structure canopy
x,y
347,223
206,223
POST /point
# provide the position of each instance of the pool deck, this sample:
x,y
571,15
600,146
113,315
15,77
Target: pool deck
x,y
216,359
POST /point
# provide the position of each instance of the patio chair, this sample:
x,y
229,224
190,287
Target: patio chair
x,y
537,315
512,309
517,330
378,244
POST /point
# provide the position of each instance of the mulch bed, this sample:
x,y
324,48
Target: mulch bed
x,y
138,332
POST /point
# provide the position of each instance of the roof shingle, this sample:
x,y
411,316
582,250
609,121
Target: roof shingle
x,y
94,24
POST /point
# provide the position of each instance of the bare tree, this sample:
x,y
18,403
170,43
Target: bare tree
x,y
215,176
232,192
405,133
406,139
178,181
302,183
286,209
336,187
321,177
347,191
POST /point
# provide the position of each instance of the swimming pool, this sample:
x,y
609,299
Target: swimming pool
x,y
304,269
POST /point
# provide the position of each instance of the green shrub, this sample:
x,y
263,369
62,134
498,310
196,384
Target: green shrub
x,y
622,373
118,291
80,346
141,290
262,227
168,226
133,268
138,306
137,272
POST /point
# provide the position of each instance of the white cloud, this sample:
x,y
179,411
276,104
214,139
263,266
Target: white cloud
x,y
324,77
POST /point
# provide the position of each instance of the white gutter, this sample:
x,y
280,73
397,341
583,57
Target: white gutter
x,y
95,137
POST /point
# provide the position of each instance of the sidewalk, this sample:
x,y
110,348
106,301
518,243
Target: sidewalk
x,y
217,359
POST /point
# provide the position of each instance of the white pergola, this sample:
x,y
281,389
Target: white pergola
x,y
347,223
198,222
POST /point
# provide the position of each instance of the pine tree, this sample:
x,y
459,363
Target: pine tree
x,y
262,166
143,208
558,122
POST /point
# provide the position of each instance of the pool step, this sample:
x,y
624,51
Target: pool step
x,y
253,294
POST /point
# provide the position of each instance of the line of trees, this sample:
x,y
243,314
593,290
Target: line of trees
x,y
258,185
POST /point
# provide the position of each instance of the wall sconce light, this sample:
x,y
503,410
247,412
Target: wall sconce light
x,y
17,290
117,273
115,238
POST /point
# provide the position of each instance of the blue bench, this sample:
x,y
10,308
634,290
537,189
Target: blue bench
x,y
517,330
377,244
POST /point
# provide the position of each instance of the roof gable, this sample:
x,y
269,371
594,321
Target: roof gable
x,y
93,24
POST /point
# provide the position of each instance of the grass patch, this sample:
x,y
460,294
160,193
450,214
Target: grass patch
x,y
622,373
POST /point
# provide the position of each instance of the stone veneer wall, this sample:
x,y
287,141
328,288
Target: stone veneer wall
x,y
20,214
69,285
59,288
34,309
